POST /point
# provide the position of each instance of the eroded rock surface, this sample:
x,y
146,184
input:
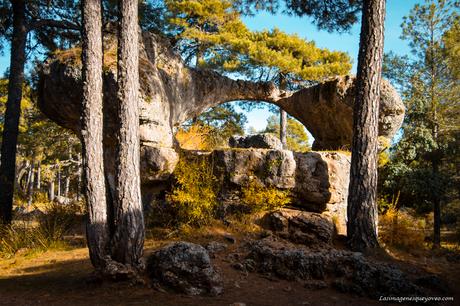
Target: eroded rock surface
x,y
344,270
318,181
300,226
171,93
259,141
184,267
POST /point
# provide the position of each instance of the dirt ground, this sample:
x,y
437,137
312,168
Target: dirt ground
x,y
62,277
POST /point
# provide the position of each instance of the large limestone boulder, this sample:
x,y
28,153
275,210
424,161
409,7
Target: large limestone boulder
x,y
300,226
318,181
184,267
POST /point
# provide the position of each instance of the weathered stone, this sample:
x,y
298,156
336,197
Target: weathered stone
x,y
347,271
172,93
157,163
274,168
300,226
259,141
184,267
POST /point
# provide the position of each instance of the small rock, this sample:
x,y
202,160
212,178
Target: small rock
x,y
215,247
230,238
238,304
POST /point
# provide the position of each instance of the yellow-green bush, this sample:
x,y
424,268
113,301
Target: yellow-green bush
x,y
401,229
261,198
194,193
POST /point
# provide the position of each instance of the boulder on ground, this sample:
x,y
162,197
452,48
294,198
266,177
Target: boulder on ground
x,y
300,226
186,268
258,141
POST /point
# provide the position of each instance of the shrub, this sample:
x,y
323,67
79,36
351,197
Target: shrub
x,y
194,193
261,198
48,232
402,229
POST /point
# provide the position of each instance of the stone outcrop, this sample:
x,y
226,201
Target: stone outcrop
x,y
343,270
300,226
260,141
184,267
318,181
171,93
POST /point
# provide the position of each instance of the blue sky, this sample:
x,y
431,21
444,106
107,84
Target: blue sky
x,y
348,42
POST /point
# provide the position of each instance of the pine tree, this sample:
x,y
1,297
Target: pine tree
x,y
429,83
128,239
92,134
362,193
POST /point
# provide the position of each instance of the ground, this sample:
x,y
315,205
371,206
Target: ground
x,y
63,277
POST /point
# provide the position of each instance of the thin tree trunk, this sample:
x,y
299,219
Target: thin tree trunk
x,y
13,110
59,181
283,128
79,174
362,208
51,190
92,123
30,189
39,177
436,211
128,239
67,186
283,115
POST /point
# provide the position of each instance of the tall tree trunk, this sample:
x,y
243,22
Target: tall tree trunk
x,y
67,186
436,210
30,189
283,114
51,190
128,239
13,111
362,208
79,174
283,128
92,123
39,176
58,180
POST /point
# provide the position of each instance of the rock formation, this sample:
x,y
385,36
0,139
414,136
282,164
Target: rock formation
x,y
171,93
184,267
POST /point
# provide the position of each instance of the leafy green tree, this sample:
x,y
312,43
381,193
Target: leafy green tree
x,y
297,137
422,161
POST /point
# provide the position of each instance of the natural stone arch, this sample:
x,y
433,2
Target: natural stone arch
x,y
171,93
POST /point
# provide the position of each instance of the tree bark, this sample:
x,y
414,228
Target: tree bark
x,y
13,110
51,190
283,128
58,180
97,232
39,176
30,189
362,209
128,240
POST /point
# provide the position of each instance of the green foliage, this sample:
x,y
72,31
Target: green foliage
x,y
297,137
261,198
194,193
422,165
